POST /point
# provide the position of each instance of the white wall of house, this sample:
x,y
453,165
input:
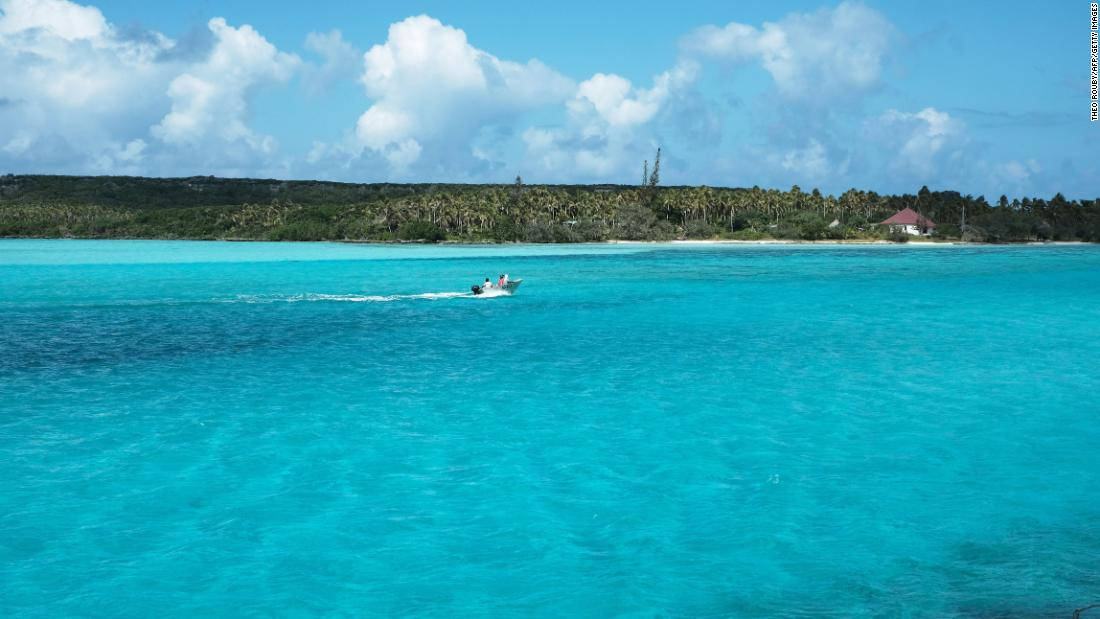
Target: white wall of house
x,y
908,229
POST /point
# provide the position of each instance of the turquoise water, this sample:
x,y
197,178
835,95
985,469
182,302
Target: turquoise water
x,y
243,428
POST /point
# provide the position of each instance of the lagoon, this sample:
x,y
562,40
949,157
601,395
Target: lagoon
x,y
654,429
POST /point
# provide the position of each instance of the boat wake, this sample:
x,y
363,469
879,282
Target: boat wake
x,y
359,298
491,293
272,298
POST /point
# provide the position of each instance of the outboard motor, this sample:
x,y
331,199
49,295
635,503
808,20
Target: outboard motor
x,y
475,289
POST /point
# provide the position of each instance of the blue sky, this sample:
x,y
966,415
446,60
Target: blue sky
x,y
985,98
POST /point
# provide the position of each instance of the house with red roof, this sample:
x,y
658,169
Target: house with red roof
x,y
910,222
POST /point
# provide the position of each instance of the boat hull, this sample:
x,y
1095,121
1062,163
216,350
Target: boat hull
x,y
506,289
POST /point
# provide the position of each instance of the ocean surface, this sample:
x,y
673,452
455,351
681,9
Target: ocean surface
x,y
253,429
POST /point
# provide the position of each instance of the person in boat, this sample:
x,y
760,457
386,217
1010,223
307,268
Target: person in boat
x,y
503,280
482,288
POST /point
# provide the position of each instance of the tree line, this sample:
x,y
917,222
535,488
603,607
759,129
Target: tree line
x,y
267,209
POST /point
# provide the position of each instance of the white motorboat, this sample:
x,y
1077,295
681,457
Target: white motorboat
x,y
508,288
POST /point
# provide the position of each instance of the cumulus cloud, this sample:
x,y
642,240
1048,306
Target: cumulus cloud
x,y
609,125
209,99
828,53
95,98
65,20
895,150
820,63
810,163
1016,178
924,142
433,93
933,147
340,61
615,101
81,87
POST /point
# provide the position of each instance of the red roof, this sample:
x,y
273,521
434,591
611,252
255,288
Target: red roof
x,y
909,217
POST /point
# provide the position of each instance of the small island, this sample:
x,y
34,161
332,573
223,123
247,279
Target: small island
x,y
212,208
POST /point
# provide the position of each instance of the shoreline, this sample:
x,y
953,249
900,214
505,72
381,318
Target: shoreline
x,y
858,242
880,242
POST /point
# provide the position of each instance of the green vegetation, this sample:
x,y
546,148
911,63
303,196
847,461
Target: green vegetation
x,y
425,231
263,209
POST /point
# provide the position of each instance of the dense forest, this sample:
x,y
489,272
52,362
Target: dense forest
x,y
263,209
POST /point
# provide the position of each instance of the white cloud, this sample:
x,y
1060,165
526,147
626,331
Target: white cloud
x,y
618,104
80,90
893,150
610,127
19,143
924,142
825,54
65,55
1014,177
810,163
434,93
59,18
341,60
132,151
84,96
209,99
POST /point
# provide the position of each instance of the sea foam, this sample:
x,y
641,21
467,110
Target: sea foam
x,y
360,298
